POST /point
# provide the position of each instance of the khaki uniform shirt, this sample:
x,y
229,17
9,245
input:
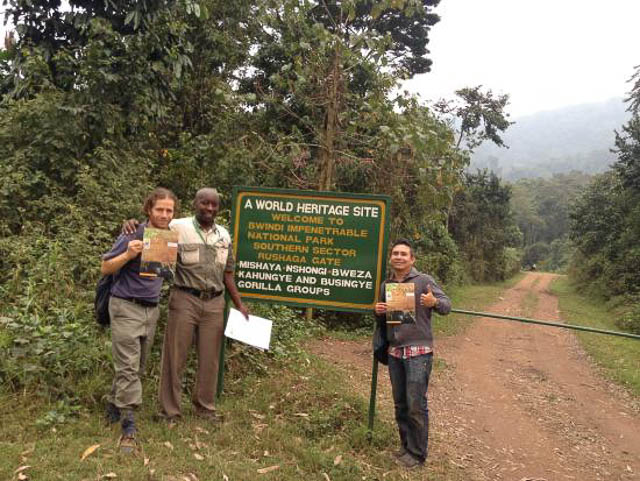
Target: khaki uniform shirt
x,y
203,257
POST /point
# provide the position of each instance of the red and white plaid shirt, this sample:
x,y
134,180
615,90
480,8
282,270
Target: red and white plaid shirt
x,y
409,351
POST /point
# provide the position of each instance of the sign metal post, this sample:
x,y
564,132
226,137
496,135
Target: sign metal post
x,y
310,249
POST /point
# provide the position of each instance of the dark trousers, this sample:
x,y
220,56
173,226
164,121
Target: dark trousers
x,y
189,315
409,383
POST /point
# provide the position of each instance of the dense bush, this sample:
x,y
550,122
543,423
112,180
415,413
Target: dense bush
x,y
482,224
51,354
512,262
630,321
605,218
438,255
560,254
607,238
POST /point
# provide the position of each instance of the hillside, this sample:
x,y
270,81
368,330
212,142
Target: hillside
x,y
572,138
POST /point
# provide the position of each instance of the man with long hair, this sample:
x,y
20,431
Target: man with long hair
x,y
133,309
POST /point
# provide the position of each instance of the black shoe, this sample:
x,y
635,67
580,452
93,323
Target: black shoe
x,y
111,413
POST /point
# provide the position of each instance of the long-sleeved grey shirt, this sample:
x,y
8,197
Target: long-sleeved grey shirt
x,y
416,333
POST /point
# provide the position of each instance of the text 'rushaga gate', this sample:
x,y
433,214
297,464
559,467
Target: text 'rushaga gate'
x,y
308,248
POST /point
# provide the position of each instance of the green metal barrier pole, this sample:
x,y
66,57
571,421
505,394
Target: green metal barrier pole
x,y
547,323
223,345
372,398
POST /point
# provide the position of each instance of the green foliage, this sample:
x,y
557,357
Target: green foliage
x,y
606,217
481,116
634,95
482,224
628,150
606,237
541,206
630,321
62,413
541,210
535,253
438,254
102,101
322,82
560,252
405,25
6,55
49,354
512,262
476,117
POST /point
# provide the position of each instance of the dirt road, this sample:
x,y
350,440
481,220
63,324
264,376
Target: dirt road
x,y
519,402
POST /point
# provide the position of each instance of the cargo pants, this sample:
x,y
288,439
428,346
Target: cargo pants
x,y
132,331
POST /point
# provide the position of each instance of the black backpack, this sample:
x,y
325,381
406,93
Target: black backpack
x,y
101,301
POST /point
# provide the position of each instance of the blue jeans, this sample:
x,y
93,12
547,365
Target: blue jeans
x,y
409,383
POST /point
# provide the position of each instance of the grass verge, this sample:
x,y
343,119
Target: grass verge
x,y
618,357
299,421
295,419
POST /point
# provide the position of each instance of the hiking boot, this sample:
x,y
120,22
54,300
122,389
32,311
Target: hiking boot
x,y
409,462
111,413
128,439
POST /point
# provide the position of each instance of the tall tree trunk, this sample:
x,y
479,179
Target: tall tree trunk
x,y
330,129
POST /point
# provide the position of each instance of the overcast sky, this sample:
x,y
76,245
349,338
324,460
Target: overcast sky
x,y
544,53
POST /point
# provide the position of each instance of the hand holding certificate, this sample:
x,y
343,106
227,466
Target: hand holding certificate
x,y
159,252
256,331
401,303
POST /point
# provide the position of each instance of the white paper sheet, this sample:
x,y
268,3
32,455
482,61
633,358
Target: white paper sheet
x,y
256,331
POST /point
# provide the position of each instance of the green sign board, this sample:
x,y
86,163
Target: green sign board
x,y
309,248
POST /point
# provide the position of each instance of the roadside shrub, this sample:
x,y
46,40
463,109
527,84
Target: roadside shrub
x,y
289,327
512,262
350,322
437,254
50,249
62,412
49,354
630,321
560,254
49,340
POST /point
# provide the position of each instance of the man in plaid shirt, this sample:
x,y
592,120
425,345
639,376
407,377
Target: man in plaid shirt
x,y
411,351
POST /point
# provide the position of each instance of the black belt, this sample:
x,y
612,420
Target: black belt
x,y
203,295
140,302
